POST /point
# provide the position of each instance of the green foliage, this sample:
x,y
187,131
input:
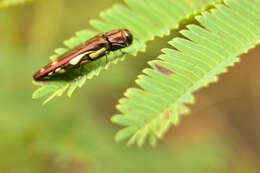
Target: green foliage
x,y
7,3
202,53
227,31
145,19
75,134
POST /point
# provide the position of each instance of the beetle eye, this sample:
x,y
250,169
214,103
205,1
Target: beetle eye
x,y
129,37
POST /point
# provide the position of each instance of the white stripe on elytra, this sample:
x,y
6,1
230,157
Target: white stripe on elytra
x,y
77,59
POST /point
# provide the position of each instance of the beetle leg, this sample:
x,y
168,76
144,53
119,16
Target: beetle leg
x,y
107,52
82,64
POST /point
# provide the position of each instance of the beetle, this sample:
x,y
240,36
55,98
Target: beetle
x,y
90,50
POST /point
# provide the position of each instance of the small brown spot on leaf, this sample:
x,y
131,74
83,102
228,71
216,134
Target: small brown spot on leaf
x,y
164,70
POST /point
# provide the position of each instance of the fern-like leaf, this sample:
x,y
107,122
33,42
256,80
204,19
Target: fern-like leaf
x,y
229,30
7,3
145,19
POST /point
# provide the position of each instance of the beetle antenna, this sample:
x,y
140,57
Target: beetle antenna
x,y
106,59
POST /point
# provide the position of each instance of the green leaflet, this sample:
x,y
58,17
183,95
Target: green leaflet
x,y
230,29
6,3
145,19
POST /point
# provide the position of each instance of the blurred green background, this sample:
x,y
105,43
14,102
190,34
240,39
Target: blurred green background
x,y
221,135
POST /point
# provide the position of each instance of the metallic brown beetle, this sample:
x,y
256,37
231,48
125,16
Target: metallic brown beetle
x,y
87,52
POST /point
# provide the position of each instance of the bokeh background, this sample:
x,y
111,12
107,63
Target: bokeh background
x,y
221,135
